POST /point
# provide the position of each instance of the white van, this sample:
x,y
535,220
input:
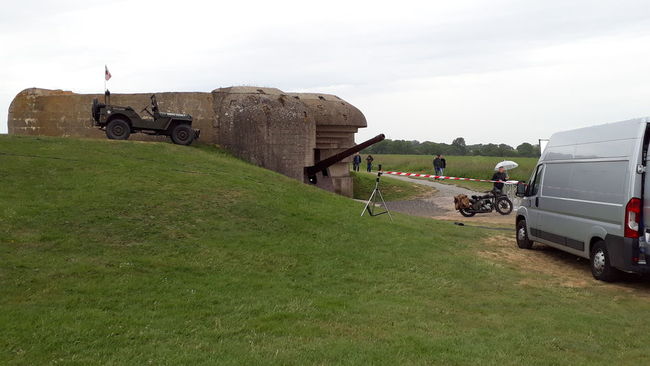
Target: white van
x,y
586,195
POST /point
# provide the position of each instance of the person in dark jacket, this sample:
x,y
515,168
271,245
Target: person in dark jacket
x,y
502,176
369,161
356,162
439,165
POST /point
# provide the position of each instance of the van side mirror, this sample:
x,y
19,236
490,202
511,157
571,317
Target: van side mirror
x,y
521,189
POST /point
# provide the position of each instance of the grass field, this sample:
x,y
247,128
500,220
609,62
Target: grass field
x,y
481,167
392,189
120,253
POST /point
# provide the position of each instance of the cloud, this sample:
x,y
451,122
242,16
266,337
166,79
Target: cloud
x,y
491,71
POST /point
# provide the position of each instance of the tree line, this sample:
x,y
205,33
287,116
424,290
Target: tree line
x,y
457,147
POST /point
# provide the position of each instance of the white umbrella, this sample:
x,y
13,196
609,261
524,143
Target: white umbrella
x,y
506,164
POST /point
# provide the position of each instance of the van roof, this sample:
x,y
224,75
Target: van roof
x,y
601,141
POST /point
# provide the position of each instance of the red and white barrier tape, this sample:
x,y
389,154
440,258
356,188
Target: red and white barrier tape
x,y
450,178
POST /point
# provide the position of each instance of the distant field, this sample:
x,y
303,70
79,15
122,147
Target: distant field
x,y
481,167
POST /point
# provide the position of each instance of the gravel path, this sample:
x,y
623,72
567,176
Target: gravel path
x,y
440,204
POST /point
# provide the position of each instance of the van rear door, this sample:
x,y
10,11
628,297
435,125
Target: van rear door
x,y
645,193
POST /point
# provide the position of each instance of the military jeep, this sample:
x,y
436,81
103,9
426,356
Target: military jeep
x,y
120,122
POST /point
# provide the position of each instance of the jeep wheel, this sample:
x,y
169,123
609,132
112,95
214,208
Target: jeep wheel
x,y
601,268
118,129
523,241
182,135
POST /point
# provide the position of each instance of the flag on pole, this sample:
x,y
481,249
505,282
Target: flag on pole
x,y
107,74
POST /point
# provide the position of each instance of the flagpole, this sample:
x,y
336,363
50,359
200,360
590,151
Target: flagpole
x,y
106,96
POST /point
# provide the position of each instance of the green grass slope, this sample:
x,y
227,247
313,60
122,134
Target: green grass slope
x,y
149,253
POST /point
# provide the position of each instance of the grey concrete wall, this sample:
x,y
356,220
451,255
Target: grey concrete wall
x,y
62,113
266,127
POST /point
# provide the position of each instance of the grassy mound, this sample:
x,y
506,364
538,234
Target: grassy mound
x,y
137,253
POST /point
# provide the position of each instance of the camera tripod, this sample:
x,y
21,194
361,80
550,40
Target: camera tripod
x,y
372,201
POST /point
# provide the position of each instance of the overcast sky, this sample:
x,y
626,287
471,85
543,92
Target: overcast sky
x,y
490,71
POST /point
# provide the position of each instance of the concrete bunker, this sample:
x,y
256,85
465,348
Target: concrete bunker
x,y
285,132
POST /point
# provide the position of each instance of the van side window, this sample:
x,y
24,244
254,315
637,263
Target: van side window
x,y
534,189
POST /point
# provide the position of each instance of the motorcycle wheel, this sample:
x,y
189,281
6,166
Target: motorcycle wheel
x,y
464,212
504,206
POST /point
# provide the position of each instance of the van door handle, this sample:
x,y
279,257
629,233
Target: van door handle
x,y
536,201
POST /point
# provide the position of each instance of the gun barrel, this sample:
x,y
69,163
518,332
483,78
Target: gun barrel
x,y
325,163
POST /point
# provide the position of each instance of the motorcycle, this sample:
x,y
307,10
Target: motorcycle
x,y
469,207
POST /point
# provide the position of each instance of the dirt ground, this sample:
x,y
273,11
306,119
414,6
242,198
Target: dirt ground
x,y
554,266
551,265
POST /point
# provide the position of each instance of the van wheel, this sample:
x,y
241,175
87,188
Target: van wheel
x,y
523,241
182,134
504,206
118,129
601,268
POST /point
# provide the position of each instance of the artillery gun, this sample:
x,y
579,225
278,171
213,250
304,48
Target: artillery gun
x,y
318,174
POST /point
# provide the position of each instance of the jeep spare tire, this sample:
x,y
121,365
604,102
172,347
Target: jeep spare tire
x,y
182,134
118,129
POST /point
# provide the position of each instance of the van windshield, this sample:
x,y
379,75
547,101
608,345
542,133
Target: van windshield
x,y
536,180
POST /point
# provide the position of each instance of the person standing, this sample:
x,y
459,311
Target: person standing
x,y
369,160
443,165
502,176
437,165
356,162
